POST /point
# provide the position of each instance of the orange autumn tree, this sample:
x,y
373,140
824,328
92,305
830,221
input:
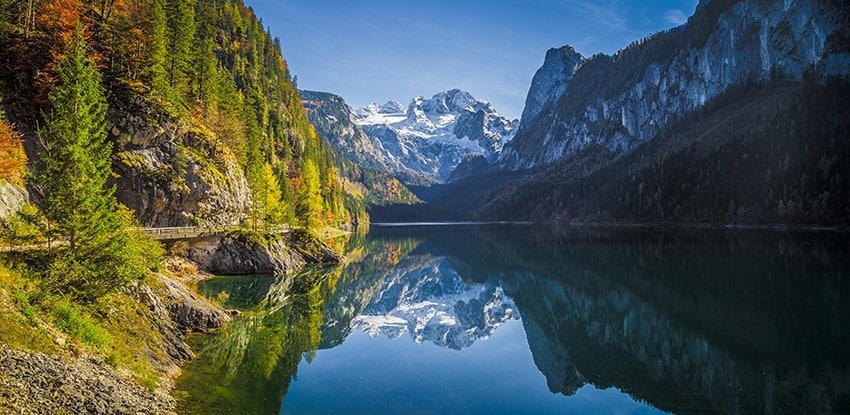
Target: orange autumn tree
x,y
56,21
13,160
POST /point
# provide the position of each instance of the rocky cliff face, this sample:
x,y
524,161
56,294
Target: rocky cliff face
x,y
12,197
333,119
550,81
620,101
433,135
173,175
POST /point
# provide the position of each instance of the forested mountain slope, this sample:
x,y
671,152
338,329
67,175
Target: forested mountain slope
x,y
359,159
205,124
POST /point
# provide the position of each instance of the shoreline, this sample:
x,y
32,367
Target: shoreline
x,y
74,381
774,227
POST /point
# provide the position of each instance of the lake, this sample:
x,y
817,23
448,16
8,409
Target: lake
x,y
519,319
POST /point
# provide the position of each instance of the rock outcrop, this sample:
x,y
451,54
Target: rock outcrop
x,y
550,81
171,174
189,312
172,335
242,253
12,197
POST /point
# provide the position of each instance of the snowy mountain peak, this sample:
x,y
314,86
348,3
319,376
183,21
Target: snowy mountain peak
x,y
433,135
391,107
453,101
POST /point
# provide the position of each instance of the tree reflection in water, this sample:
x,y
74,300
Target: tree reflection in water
x,y
690,322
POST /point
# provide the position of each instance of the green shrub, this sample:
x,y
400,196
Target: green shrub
x,y
70,320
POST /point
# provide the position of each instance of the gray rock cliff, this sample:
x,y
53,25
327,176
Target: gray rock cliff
x,y
622,100
172,175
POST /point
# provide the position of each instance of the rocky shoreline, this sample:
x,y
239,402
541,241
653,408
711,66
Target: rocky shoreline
x,y
35,383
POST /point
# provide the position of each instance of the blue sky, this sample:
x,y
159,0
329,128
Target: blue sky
x,y
374,51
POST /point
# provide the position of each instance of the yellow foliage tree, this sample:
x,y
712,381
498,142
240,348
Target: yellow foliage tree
x,y
274,206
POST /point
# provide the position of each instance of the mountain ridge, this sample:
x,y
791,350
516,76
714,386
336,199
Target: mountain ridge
x,y
619,101
737,148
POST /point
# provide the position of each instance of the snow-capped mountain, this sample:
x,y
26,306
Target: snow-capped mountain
x,y
432,136
619,101
432,303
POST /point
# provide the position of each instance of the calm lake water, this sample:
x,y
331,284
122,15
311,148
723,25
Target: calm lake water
x,y
505,319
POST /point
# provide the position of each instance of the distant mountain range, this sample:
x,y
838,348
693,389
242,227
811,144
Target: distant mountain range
x,y
739,115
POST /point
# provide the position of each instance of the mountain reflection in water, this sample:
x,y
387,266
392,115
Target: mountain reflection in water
x,y
610,321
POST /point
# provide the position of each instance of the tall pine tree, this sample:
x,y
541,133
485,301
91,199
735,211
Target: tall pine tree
x,y
101,253
156,50
76,155
181,36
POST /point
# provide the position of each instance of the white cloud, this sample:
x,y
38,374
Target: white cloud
x,y
609,14
675,17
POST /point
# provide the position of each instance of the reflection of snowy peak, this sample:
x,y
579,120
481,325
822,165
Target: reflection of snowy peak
x,y
433,135
433,304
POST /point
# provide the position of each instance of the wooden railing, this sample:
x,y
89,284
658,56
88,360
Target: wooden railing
x,y
189,232
161,234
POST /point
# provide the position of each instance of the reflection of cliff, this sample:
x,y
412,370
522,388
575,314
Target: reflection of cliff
x,y
723,326
614,338
433,303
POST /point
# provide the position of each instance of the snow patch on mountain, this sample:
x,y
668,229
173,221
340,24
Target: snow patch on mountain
x,y
433,135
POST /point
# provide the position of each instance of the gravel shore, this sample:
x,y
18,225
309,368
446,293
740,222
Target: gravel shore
x,y
34,383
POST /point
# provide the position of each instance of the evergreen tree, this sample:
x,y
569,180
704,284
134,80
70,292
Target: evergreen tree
x,y
156,31
180,15
203,55
101,254
76,155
